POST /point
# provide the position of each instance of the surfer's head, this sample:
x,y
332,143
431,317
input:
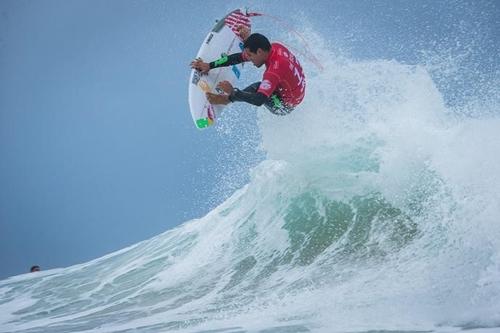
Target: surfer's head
x,y
257,48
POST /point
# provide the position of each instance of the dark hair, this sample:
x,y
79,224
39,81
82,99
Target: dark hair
x,y
35,268
257,41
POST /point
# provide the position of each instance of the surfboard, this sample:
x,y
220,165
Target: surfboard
x,y
222,40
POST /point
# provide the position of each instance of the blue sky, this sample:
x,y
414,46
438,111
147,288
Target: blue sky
x,y
97,147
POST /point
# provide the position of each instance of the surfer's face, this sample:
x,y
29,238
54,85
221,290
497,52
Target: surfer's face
x,y
258,58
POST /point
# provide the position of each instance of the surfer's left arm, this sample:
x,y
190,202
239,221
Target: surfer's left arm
x,y
236,95
264,91
254,98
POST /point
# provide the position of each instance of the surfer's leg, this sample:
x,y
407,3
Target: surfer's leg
x,y
276,106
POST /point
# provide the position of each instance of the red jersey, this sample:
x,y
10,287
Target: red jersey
x,y
284,75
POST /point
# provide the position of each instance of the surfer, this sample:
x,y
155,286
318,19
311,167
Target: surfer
x,y
283,83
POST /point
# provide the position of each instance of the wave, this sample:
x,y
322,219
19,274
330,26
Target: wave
x,y
376,207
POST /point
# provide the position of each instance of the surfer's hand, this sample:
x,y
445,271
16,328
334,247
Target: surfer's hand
x,y
225,86
201,66
244,32
217,99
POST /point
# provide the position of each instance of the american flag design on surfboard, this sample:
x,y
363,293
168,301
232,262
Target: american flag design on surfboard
x,y
236,19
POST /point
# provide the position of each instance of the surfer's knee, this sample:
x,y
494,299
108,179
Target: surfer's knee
x,y
277,107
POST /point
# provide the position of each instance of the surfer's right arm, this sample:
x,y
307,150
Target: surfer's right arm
x,y
224,61
200,66
228,60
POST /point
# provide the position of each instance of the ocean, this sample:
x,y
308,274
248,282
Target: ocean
x,y
376,208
